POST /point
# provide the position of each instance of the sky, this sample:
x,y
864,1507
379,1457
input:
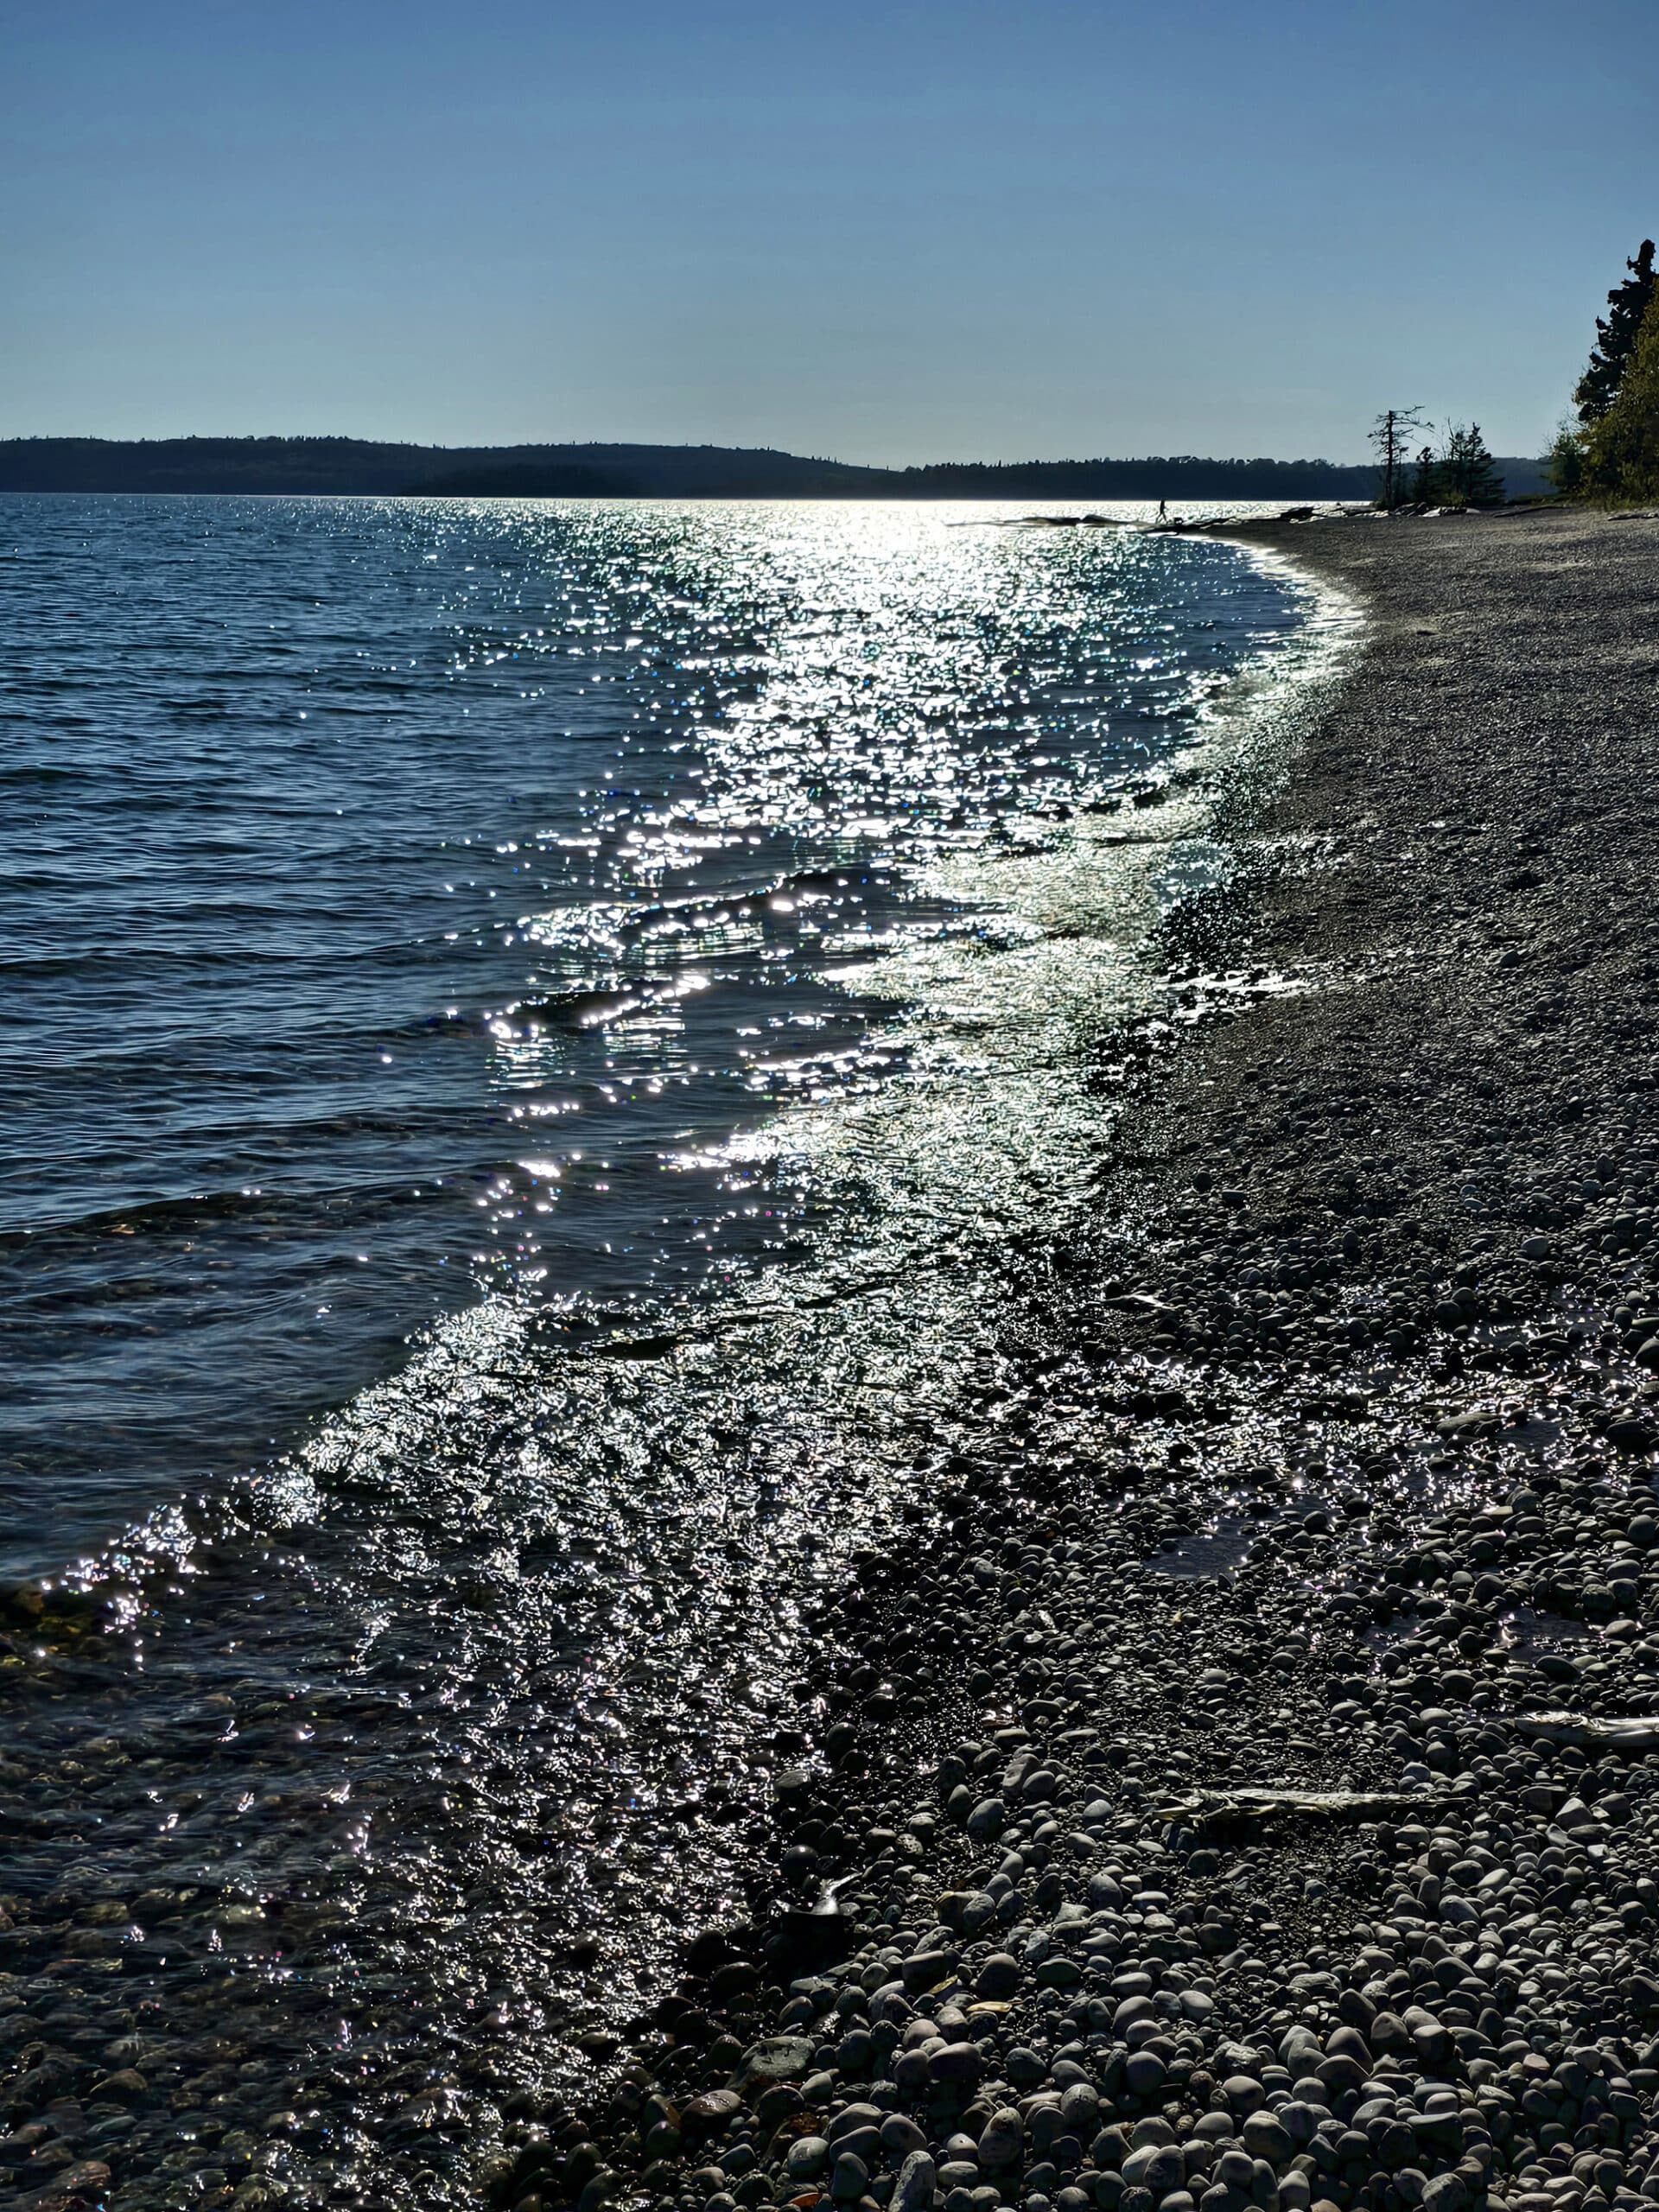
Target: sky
x,y
887,230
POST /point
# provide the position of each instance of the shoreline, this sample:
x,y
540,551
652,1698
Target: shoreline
x,y
362,1801
1315,1465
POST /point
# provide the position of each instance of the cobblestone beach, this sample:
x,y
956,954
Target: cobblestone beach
x,y
1235,1782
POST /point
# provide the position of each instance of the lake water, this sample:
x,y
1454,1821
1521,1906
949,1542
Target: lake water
x,y
531,1032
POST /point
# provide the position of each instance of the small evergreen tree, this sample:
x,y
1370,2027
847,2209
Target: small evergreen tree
x,y
1466,471
1422,489
1563,462
1620,448
1615,331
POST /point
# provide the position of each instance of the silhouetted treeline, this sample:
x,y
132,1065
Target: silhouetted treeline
x,y
362,465
1181,476
311,466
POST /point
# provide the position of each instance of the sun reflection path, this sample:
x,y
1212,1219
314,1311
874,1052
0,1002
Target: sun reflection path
x,y
433,1739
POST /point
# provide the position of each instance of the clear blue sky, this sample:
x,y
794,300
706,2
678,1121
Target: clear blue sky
x,y
888,230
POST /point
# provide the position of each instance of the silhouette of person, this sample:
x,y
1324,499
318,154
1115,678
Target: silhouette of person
x,y
1163,510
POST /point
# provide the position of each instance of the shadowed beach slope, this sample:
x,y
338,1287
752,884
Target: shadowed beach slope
x,y
1277,1823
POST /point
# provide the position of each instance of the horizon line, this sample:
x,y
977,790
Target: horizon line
x,y
654,445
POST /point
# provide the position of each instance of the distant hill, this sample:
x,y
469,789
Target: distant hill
x,y
358,465
333,466
353,465
1522,479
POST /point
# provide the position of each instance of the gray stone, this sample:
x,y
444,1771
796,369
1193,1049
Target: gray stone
x,y
849,2178
900,2135
989,1817
915,2185
776,2058
998,1977
1003,2139
1156,2166
850,2117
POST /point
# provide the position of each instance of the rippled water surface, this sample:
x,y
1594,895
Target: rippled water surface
x,y
530,1030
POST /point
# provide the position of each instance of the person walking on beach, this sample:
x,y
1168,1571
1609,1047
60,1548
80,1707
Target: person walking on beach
x,y
1163,510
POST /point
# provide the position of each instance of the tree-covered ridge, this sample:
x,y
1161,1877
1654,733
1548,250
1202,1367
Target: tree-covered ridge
x,y
319,465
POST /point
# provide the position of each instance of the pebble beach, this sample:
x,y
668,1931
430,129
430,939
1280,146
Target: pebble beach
x,y
1234,1782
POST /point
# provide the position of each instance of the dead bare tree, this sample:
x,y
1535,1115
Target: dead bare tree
x,y
1391,442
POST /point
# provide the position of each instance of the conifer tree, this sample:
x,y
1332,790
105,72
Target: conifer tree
x,y
1627,303
1563,462
1621,448
1466,470
1422,490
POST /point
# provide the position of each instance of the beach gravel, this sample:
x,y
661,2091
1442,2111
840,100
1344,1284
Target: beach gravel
x,y
1242,1788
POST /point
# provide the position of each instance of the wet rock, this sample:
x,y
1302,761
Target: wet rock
x,y
806,2158
776,2058
707,2114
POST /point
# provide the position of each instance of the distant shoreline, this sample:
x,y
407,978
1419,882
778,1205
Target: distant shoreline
x,y
360,468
